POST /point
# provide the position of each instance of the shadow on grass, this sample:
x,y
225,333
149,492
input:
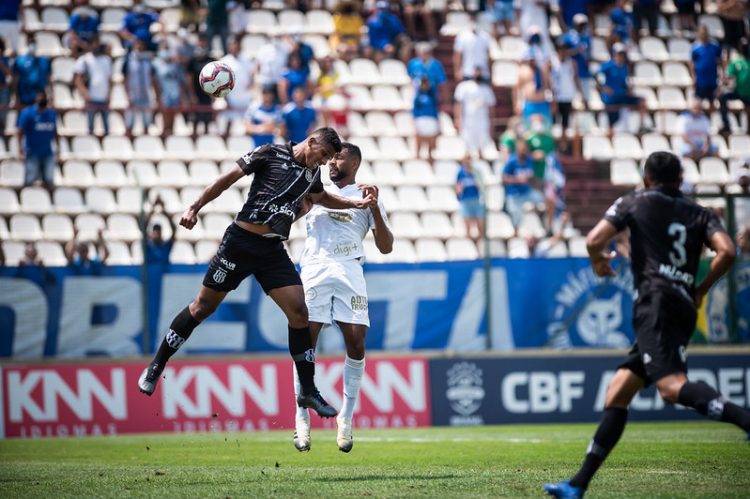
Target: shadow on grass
x,y
372,478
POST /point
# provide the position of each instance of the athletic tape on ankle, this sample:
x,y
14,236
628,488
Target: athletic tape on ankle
x,y
354,363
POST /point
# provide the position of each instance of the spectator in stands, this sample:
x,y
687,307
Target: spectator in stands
x,y
424,64
347,29
580,40
419,9
694,128
467,191
621,25
742,204
83,28
471,50
518,177
704,67
10,24
239,16
271,61
263,119
296,76
615,90
541,145
36,131
304,51
6,79
78,254
569,9
217,22
508,139
198,97
30,257
737,79
566,85
686,14
473,110
503,13
553,188
327,89
534,13
537,50
645,10
425,114
138,73
136,25
385,31
30,75
243,67
171,85
191,14
299,117
158,248
93,79
732,14
533,91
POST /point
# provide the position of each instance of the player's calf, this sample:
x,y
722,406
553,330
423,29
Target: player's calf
x,y
712,404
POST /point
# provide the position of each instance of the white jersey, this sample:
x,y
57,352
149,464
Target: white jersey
x,y
336,235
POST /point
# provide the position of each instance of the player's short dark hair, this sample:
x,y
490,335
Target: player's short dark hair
x,y
353,151
663,167
329,136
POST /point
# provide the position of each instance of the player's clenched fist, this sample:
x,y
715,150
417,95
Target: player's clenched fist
x,y
189,218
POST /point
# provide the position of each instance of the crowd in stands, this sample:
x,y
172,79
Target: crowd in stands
x,y
283,90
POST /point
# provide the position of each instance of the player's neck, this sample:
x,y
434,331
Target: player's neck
x,y
344,182
298,153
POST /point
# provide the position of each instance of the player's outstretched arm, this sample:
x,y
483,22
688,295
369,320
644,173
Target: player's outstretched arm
x,y
725,257
334,202
381,231
596,243
190,217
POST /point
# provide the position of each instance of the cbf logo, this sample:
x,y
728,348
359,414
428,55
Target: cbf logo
x,y
465,393
591,311
717,307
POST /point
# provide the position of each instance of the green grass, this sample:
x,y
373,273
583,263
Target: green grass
x,y
653,460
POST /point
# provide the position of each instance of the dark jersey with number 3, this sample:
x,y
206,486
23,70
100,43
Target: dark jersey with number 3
x,y
278,189
667,234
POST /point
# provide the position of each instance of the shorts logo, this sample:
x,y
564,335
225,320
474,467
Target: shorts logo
x,y
311,294
683,353
229,265
174,340
646,358
219,276
359,303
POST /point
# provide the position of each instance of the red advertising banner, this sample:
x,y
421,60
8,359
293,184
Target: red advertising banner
x,y
240,395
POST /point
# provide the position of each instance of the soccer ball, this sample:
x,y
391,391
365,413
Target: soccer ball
x,y
216,79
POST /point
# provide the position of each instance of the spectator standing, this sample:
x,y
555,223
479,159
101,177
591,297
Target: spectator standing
x,y
686,14
347,29
732,14
83,29
78,254
303,50
93,79
518,175
36,131
743,242
471,50
621,25
705,64
533,91
326,88
503,13
6,80
217,22
296,76
424,64
263,119
737,82
10,24
30,75
615,91
30,257
645,10
694,128
419,9
534,13
579,39
158,248
541,145
384,30
569,9
473,109
299,117
536,50
170,86
243,67
425,113
566,85
508,138
136,25
467,191
138,72
191,14
199,98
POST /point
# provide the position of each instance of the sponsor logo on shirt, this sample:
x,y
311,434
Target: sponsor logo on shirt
x,y
285,209
340,216
345,249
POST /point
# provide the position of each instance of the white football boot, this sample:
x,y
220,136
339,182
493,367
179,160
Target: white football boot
x,y
302,434
344,435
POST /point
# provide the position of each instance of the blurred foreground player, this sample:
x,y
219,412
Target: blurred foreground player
x,y
252,244
334,283
667,234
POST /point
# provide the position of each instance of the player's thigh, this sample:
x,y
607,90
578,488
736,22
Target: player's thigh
x,y
275,270
318,293
291,301
350,304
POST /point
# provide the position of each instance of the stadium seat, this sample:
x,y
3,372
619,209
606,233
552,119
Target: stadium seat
x,y
62,69
35,200
671,98
142,173
403,251
101,200
647,73
680,49
577,247
119,253
677,74
172,173
111,18
624,172
394,148
119,148
262,21
531,225
74,123
4,232
380,124
182,253
713,171
393,72
291,21
387,172
406,225
12,173
461,249
148,148
237,147
88,226
721,144
504,73
436,224
559,250
202,172
511,48
447,127
364,72
8,201
110,174
626,146
319,22
179,148
418,172
68,200
714,25
124,227
499,225
430,250
690,172
118,99
451,148
599,50
54,19
597,148
230,201
86,147
412,198
25,227
360,98
214,225
48,44
653,49
212,147
442,198
517,248
739,146
497,248
129,200
51,253
455,21
388,98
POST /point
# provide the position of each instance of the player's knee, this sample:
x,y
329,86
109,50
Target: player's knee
x,y
201,308
297,315
670,392
356,348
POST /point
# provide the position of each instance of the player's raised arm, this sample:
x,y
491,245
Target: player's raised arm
x,y
726,254
225,180
381,231
334,202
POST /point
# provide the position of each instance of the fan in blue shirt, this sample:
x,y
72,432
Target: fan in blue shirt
x,y
383,28
137,25
31,74
37,128
615,91
299,117
706,60
262,119
83,28
426,65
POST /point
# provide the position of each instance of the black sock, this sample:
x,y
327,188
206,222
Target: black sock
x,y
607,434
303,354
709,402
179,331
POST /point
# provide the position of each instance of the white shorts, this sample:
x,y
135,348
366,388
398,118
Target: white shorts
x,y
426,126
336,291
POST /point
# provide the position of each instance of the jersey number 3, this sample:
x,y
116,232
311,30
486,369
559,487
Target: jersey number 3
x,y
678,257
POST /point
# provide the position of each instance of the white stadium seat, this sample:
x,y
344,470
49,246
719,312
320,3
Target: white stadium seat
x,y
461,249
51,253
430,250
101,200
35,200
24,227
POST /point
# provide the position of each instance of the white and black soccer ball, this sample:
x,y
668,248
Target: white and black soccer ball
x,y
216,79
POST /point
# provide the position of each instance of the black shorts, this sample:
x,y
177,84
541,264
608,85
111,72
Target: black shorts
x,y
664,321
242,253
705,92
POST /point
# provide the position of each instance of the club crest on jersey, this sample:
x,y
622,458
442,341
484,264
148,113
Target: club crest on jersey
x,y
219,276
308,175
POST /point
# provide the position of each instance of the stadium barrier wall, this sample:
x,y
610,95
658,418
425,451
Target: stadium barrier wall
x,y
74,399
57,312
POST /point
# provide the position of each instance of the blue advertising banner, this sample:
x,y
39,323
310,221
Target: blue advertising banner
x,y
557,389
534,303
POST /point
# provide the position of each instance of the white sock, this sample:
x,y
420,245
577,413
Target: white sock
x,y
302,412
353,371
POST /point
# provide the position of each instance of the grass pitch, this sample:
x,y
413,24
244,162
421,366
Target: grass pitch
x,y
653,460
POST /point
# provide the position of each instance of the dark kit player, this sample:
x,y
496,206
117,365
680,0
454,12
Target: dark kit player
x,y
252,244
667,235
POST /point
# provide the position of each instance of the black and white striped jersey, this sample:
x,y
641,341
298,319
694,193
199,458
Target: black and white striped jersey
x,y
278,189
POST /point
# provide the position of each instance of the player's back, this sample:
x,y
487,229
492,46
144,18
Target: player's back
x,y
667,234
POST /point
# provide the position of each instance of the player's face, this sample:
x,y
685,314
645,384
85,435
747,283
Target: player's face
x,y
340,166
318,152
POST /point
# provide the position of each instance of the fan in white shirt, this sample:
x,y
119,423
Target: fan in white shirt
x,y
334,282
